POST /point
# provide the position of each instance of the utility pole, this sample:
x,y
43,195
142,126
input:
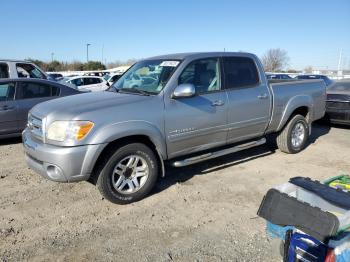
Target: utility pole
x,y
52,54
339,61
102,53
87,52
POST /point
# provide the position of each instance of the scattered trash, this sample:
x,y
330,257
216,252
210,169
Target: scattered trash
x,y
312,219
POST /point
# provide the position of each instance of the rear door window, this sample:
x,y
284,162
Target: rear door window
x,y
91,81
240,72
4,70
7,91
34,90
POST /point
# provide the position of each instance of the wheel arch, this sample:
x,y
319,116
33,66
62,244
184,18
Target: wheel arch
x,y
301,105
111,147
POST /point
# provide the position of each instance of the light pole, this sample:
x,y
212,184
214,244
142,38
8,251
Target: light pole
x,y
87,52
52,54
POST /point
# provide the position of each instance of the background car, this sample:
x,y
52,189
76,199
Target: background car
x,y
18,96
92,83
338,102
326,79
55,76
20,69
278,76
111,78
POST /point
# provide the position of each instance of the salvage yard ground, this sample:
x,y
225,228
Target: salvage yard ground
x,y
206,212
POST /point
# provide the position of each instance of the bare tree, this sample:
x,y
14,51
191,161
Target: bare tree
x,y
275,60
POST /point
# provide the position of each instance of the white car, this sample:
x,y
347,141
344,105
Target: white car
x,y
112,78
92,83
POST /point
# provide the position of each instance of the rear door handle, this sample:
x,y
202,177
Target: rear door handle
x,y
6,108
218,103
263,96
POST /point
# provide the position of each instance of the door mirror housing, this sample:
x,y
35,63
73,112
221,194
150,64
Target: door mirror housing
x,y
184,90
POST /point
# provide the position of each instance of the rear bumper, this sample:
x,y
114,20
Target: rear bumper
x,y
60,164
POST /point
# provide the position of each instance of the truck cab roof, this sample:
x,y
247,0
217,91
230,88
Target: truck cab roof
x,y
194,55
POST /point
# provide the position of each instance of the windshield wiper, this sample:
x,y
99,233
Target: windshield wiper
x,y
133,90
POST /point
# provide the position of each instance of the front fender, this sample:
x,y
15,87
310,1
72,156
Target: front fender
x,y
294,103
119,130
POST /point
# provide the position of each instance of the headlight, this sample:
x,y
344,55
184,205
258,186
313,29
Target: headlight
x,y
69,130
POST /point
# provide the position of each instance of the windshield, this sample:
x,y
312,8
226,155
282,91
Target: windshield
x,y
147,76
106,77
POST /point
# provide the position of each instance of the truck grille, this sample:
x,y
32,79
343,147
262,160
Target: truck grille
x,y
35,127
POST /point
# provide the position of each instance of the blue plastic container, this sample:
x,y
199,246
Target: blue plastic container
x,y
306,248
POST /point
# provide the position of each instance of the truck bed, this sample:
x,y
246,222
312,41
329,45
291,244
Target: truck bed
x,y
289,94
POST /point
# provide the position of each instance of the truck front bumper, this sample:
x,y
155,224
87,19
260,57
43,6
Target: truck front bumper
x,y
60,164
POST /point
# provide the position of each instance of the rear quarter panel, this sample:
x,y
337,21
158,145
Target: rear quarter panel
x,y
289,96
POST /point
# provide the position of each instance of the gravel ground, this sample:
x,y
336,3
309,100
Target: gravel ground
x,y
206,212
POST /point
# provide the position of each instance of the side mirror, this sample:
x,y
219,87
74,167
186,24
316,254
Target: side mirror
x,y
184,90
107,84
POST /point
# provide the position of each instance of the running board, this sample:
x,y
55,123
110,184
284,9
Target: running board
x,y
211,155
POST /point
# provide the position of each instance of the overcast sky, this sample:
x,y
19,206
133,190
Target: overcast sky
x,y
312,32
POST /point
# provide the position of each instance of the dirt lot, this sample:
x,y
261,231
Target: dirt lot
x,y
206,212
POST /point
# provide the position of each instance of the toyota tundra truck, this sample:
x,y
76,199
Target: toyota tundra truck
x,y
179,109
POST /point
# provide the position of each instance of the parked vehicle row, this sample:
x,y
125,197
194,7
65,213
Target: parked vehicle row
x,y
181,109
283,76
18,96
278,76
326,79
14,69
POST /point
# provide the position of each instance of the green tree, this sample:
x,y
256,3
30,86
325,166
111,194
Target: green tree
x,y
94,65
54,66
75,66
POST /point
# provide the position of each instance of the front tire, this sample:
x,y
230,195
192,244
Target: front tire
x,y
129,174
292,139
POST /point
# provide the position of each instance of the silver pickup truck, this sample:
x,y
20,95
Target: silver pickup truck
x,y
180,109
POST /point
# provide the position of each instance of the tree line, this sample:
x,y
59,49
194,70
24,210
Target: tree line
x,y
57,66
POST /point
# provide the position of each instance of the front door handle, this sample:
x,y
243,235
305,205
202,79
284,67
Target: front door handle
x,y
263,96
218,103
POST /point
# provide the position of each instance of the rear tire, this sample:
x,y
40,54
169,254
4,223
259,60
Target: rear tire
x,y
129,174
293,137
